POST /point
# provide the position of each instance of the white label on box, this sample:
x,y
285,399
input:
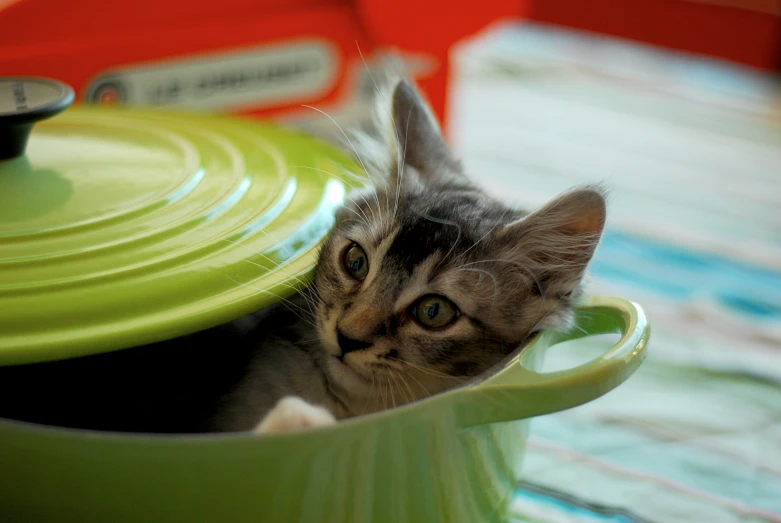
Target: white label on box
x,y
250,78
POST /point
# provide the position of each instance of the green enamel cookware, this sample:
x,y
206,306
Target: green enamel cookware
x,y
121,227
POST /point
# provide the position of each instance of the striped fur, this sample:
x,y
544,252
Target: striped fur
x,y
428,230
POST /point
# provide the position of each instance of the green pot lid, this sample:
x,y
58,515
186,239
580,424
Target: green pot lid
x,y
120,227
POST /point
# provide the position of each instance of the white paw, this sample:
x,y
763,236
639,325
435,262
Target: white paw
x,y
293,413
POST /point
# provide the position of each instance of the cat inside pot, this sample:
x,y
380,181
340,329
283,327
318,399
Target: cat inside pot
x,y
423,283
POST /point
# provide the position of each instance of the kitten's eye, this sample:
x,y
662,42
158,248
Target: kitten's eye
x,y
435,311
356,262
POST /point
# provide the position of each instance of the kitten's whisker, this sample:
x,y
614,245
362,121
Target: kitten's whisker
x,y
310,309
305,314
358,156
400,167
401,390
376,397
297,292
395,130
373,388
395,385
393,396
366,66
379,94
310,296
356,221
283,301
301,295
404,382
255,253
362,218
420,384
424,370
329,173
398,191
351,187
408,398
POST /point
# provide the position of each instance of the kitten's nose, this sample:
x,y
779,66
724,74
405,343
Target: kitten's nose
x,y
349,344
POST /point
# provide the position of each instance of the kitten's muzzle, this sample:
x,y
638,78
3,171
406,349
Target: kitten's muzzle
x,y
349,344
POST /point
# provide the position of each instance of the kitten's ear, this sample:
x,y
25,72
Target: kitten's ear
x,y
420,141
561,237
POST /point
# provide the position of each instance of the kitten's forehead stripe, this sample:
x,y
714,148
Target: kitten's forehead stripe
x,y
418,241
439,227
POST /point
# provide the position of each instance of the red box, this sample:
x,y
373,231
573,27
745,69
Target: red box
x,y
259,57
742,31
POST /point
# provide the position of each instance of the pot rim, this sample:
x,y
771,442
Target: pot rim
x,y
506,378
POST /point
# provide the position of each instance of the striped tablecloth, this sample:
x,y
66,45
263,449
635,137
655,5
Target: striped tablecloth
x,y
692,151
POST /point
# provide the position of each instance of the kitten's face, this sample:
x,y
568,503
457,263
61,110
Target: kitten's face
x,y
426,281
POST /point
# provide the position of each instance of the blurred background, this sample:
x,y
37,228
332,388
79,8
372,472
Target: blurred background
x,y
675,105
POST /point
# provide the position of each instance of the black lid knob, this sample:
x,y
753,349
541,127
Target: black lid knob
x,y
24,101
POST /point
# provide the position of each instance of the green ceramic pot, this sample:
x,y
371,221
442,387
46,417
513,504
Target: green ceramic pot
x,y
121,230
455,457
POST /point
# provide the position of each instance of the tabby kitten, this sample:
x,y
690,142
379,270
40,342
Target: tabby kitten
x,y
424,282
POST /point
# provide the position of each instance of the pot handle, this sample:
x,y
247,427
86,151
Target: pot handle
x,y
516,392
23,102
